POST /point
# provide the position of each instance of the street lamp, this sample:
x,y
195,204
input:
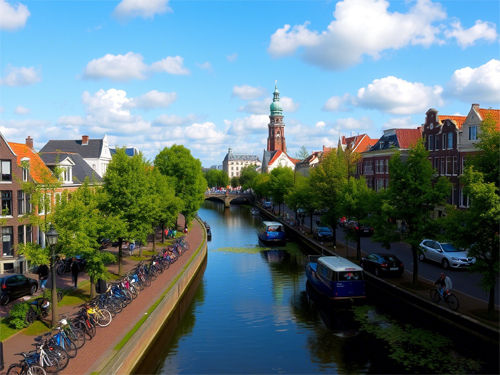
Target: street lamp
x,y
51,237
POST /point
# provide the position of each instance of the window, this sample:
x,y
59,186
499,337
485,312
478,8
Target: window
x,y
436,164
443,166
20,235
379,184
450,140
463,164
368,167
7,242
386,166
377,166
464,199
6,170
449,165
387,183
431,143
455,165
29,233
20,203
28,203
437,142
45,204
444,141
25,174
67,174
6,203
454,195
472,133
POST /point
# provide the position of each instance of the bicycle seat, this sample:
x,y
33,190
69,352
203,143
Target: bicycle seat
x,y
38,339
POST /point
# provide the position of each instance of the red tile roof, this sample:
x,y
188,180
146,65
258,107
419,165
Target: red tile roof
x,y
361,142
408,137
277,155
38,170
459,120
494,113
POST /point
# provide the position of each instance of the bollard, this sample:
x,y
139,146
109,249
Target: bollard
x,y
1,356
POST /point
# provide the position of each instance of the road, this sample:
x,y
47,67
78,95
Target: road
x,y
462,280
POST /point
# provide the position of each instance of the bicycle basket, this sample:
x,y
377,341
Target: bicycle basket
x,y
45,304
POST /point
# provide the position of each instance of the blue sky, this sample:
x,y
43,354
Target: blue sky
x,y
152,73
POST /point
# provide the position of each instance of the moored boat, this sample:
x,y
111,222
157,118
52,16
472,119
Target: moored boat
x,y
255,211
335,277
272,232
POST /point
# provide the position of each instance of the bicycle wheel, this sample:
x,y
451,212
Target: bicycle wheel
x,y
103,317
15,369
86,327
30,316
61,354
452,302
61,269
51,363
77,336
69,346
435,296
36,370
147,280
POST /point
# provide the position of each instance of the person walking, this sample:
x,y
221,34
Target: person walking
x,y
75,270
43,275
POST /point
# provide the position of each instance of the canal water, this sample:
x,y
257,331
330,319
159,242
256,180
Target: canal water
x,y
250,312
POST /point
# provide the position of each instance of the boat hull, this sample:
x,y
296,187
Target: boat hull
x,y
335,291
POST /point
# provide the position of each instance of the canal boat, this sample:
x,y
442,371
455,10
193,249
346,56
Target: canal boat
x,y
255,211
336,278
272,232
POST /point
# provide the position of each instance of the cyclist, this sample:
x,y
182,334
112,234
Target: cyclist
x,y
443,285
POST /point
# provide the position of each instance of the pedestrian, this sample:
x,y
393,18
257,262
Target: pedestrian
x,y
75,270
132,247
185,229
43,275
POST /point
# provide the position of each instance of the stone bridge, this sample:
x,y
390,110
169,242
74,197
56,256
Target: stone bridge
x,y
229,197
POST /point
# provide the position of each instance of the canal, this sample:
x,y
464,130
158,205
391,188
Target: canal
x,y
250,312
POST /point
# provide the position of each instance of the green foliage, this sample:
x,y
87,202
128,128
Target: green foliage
x,y
248,175
418,350
190,185
280,182
35,253
216,178
17,317
261,185
299,196
302,153
235,182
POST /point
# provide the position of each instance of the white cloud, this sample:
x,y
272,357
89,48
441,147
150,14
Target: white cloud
x,y
466,38
71,121
256,124
141,8
363,123
174,120
232,58
247,92
20,76
261,107
400,123
474,85
207,133
399,97
361,27
205,66
171,65
153,99
17,130
13,16
117,67
338,103
20,110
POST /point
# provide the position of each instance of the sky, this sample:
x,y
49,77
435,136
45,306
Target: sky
x,y
153,73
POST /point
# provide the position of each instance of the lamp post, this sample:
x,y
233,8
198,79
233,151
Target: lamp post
x,y
51,236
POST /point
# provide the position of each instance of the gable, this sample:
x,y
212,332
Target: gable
x,y
38,170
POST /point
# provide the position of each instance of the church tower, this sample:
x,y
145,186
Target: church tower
x,y
276,137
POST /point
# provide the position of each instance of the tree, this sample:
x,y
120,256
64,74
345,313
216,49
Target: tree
x,y
235,182
216,178
261,185
247,176
81,225
352,159
127,199
410,198
299,196
280,183
476,229
302,153
356,203
327,183
486,160
190,185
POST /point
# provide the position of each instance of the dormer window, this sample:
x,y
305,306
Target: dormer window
x,y
382,144
67,174
25,174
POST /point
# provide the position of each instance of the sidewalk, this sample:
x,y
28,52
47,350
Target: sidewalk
x,y
468,304
94,352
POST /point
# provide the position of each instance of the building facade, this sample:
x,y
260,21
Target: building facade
x,y
234,163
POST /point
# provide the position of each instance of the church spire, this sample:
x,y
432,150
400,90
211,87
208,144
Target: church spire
x,y
276,137
276,109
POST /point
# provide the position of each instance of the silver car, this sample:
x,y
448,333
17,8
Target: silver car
x,y
445,254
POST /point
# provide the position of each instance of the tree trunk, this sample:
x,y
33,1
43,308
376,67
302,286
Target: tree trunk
x,y
414,252
311,228
358,246
163,233
334,230
154,241
491,301
92,288
120,255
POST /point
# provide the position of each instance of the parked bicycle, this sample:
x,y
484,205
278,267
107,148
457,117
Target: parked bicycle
x,y
39,309
450,299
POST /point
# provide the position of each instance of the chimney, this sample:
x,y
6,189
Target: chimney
x,y
85,140
475,105
29,142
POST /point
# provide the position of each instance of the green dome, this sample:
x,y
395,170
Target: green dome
x,y
276,109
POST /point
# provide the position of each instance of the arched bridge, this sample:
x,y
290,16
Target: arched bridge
x,y
227,198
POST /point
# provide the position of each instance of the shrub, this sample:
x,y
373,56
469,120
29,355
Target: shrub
x,y
17,317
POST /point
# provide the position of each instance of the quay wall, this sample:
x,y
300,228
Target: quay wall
x,y
441,313
126,359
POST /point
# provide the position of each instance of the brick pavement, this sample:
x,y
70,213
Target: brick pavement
x,y
95,351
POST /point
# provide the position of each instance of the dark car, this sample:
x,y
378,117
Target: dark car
x,y
323,233
14,285
267,205
379,264
362,230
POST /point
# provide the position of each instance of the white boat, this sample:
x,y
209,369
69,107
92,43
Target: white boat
x,y
255,211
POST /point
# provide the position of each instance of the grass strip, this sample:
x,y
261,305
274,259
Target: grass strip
x,y
129,334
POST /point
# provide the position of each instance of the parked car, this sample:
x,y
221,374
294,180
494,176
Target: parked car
x,y
14,285
379,264
446,254
267,205
362,230
323,233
